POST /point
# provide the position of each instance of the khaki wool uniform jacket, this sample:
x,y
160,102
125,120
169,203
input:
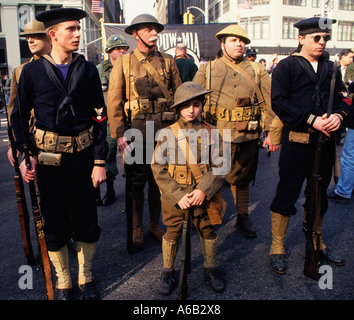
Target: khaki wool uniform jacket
x,y
142,86
230,90
174,178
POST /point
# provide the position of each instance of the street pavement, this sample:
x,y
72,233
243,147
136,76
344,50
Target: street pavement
x,y
132,279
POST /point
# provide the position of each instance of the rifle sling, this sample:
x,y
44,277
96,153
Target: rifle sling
x,y
244,74
189,156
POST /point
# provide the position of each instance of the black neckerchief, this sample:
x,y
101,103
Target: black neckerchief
x,y
66,111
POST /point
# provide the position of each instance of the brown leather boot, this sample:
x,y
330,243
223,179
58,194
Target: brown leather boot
x,y
138,237
156,231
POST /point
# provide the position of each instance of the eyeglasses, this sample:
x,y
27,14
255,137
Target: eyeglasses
x,y
317,38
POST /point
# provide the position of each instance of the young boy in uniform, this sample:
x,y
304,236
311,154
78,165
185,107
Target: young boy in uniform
x,y
182,190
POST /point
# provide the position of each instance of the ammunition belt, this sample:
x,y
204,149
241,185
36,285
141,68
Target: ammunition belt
x,y
236,114
146,106
53,142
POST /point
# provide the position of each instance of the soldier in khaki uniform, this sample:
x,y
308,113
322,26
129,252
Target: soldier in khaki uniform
x,y
39,45
183,190
154,77
116,46
240,101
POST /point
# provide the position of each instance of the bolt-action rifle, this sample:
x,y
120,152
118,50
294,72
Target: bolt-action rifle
x,y
185,258
128,180
20,191
38,219
313,211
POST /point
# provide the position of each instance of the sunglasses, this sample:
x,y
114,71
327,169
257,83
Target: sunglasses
x,y
317,38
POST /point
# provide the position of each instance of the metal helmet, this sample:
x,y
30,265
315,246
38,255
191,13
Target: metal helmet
x,y
33,27
187,91
143,19
115,41
234,30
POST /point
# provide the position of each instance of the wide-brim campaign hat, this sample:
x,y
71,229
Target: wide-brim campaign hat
x,y
33,27
187,91
55,16
234,30
314,25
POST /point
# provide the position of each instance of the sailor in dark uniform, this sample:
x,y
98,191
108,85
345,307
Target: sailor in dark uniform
x,y
70,140
300,94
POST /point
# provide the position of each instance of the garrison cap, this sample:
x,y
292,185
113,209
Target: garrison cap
x,y
315,24
55,16
33,27
187,91
251,52
143,19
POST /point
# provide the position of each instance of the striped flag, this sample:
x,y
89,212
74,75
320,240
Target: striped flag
x,y
97,6
244,4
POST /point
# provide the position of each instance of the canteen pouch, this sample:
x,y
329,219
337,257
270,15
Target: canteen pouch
x,y
49,158
299,137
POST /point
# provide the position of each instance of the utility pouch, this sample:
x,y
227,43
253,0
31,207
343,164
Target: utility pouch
x,y
160,105
50,141
182,175
145,106
168,116
299,137
84,140
49,158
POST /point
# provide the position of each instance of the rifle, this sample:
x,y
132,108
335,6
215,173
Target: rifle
x,y
128,183
313,212
20,191
186,258
38,220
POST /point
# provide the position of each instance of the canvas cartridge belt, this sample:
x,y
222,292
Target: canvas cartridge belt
x,y
146,106
53,142
236,114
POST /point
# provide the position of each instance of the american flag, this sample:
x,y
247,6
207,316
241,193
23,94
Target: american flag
x,y
97,6
244,4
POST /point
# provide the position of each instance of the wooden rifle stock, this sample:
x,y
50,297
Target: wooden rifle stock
x,y
38,223
22,209
186,258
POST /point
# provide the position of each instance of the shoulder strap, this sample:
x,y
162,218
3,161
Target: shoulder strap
x,y
182,141
147,65
244,74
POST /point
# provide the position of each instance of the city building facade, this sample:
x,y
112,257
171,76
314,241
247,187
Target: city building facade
x,y
15,14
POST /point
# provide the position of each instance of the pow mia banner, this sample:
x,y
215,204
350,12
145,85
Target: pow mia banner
x,y
199,38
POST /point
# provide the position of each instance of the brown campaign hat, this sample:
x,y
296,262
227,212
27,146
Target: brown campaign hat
x,y
33,27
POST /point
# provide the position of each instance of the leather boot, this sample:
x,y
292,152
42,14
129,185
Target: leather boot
x,y
244,223
85,254
241,198
138,237
213,274
277,253
167,280
156,231
110,195
60,261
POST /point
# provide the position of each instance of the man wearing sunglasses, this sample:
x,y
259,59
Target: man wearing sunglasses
x,y
300,93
